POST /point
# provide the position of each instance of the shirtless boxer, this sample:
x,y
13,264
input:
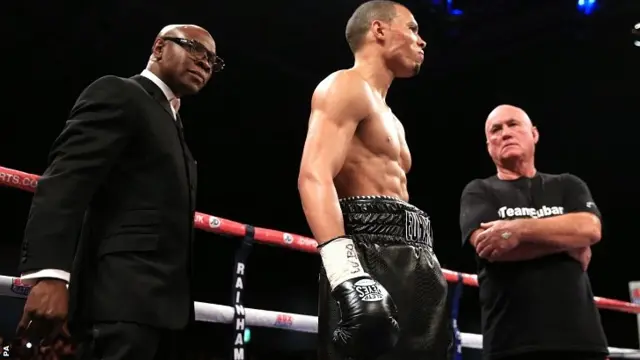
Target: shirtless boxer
x,y
382,292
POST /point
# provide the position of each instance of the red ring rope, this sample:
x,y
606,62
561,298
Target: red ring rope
x,y
24,181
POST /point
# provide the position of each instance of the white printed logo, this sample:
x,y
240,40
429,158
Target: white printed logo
x,y
214,222
368,290
545,211
418,228
591,204
288,239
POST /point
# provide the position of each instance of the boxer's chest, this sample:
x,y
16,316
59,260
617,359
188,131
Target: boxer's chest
x,y
384,135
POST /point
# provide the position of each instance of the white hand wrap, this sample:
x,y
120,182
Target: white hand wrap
x,y
340,261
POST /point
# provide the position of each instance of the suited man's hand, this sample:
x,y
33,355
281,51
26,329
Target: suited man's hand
x,y
61,348
45,311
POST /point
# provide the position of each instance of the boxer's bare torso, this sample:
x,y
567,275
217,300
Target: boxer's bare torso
x,y
355,146
378,157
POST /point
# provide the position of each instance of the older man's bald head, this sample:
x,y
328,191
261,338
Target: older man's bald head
x,y
504,112
510,134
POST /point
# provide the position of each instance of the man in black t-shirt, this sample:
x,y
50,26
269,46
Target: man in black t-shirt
x,y
532,234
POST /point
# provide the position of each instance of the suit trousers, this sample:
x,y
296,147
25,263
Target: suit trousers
x,y
131,341
564,355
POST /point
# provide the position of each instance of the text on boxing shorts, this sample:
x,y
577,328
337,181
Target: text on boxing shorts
x,y
418,228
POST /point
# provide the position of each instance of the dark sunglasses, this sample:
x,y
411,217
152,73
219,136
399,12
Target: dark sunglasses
x,y
198,51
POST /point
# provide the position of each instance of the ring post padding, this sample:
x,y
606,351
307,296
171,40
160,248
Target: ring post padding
x,y
455,304
238,290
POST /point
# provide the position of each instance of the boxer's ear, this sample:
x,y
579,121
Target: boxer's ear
x,y
536,134
379,29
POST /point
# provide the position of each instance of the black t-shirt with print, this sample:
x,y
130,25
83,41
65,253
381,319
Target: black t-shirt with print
x,y
544,304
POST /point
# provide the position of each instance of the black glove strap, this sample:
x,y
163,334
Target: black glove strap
x,y
335,238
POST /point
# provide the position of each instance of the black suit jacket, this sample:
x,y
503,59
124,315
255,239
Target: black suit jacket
x,y
115,208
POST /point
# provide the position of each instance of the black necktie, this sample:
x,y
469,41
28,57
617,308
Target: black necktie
x,y
179,126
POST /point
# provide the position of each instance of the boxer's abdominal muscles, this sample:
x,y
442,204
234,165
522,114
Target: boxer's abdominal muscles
x,y
367,173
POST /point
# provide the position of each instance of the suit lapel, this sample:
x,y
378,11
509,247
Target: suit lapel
x,y
189,163
155,92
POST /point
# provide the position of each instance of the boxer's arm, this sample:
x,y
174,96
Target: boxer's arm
x,y
476,208
579,227
339,103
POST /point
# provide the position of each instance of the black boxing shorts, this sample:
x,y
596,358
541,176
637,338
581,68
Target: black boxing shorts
x,y
394,243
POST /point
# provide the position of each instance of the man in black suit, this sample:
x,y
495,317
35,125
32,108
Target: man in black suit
x,y
113,213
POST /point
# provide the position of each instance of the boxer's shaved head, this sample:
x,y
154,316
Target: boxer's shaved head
x,y
510,134
388,32
360,22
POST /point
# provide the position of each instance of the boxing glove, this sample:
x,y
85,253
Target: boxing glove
x,y
368,326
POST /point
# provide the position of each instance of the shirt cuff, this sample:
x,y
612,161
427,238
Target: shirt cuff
x,y
30,278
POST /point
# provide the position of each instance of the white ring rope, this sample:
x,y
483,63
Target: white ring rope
x,y
214,313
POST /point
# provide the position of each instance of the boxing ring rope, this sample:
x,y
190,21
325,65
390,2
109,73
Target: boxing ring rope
x,y
214,313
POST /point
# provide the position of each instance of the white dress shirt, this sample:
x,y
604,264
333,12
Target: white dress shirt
x,y
165,89
32,276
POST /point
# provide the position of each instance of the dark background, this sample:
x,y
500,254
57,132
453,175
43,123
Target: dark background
x,y
577,76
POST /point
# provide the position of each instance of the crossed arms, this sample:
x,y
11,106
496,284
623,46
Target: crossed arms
x,y
573,232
